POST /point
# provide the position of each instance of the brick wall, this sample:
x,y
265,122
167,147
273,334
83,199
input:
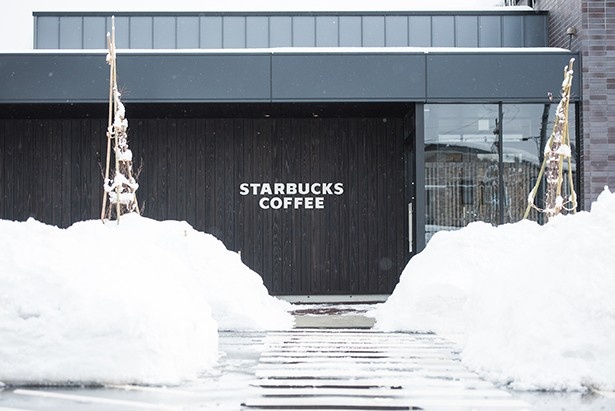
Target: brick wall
x,y
594,21
563,14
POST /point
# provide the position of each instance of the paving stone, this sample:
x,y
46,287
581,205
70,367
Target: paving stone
x,y
368,370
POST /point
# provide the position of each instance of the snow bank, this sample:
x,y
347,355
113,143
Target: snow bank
x,y
532,305
239,300
120,304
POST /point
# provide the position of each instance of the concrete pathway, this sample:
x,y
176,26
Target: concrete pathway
x,y
367,370
339,367
328,316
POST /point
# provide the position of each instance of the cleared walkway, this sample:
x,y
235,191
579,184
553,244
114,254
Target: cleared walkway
x,y
315,369
365,370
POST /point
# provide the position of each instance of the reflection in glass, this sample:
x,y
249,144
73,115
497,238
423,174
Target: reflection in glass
x,y
467,178
461,165
527,128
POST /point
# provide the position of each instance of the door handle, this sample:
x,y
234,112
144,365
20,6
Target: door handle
x,y
410,227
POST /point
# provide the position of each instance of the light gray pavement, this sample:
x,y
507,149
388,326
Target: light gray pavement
x,y
365,370
340,316
333,316
249,361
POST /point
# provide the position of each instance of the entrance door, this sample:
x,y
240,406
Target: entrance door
x,y
323,206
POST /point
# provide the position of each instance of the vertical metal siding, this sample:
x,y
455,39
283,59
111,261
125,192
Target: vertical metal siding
x,y
245,30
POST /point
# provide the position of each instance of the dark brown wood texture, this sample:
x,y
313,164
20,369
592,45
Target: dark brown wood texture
x,y
192,169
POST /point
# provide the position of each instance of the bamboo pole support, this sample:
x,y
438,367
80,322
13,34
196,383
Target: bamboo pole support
x,y
553,192
115,105
123,193
532,197
111,47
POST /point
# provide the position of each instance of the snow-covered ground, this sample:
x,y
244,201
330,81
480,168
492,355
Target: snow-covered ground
x,y
532,307
139,302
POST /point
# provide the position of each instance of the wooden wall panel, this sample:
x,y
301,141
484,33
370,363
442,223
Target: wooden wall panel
x,y
192,169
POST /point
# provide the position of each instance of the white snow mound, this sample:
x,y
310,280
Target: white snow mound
x,y
531,306
130,303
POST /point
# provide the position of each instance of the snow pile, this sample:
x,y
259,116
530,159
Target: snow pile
x,y
120,304
532,306
237,295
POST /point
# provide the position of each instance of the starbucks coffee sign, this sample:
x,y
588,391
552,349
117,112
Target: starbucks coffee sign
x,y
291,195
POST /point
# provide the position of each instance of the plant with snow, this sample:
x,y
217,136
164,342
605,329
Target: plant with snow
x,y
557,150
120,188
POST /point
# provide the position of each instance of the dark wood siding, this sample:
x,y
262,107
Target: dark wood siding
x,y
192,169
49,169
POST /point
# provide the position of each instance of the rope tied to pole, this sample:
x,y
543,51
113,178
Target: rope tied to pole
x,y
557,153
119,189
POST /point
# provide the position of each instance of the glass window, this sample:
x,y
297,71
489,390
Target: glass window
x,y
234,32
280,31
419,31
141,33
48,32
326,31
443,31
257,32
461,166
94,33
350,31
535,31
71,33
304,31
466,31
396,31
164,33
467,178
187,32
211,32
512,31
489,31
526,130
373,31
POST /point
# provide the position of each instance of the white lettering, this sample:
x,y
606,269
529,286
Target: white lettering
x,y
264,203
254,188
291,195
338,188
276,203
304,188
266,189
278,189
326,188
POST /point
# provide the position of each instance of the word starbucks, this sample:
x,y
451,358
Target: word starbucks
x,y
291,195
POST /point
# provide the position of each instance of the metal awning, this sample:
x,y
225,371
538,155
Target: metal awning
x,y
272,75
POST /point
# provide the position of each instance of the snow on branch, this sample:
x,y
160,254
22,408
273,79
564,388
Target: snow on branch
x,y
119,185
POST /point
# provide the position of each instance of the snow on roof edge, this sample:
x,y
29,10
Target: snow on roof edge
x,y
308,50
286,7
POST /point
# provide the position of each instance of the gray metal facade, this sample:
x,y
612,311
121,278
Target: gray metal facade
x,y
283,77
267,30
